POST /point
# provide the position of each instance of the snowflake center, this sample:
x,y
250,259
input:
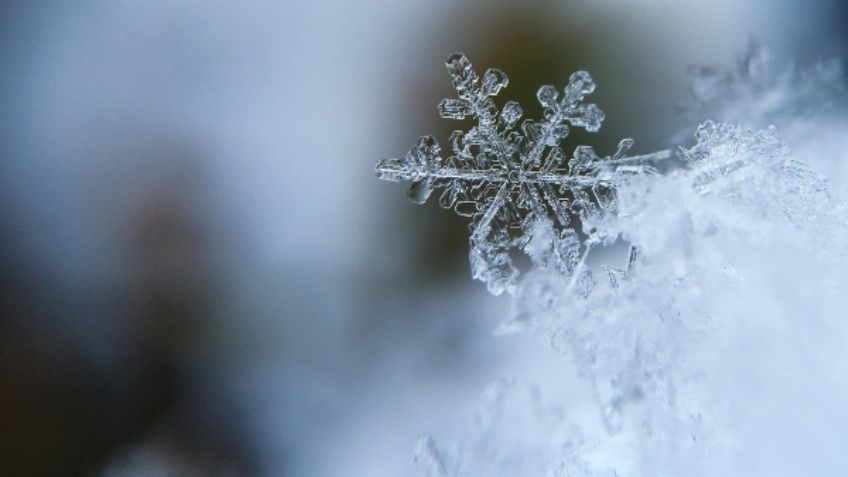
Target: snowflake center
x,y
514,177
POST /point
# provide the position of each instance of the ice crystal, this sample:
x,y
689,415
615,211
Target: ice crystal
x,y
512,177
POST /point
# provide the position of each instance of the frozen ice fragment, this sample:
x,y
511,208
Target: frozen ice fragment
x,y
555,133
395,170
511,113
623,146
420,191
486,112
462,76
582,160
589,117
492,267
454,108
555,159
531,129
493,82
579,85
426,148
450,195
547,96
413,165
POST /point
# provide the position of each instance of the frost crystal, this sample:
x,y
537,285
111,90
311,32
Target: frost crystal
x,y
515,182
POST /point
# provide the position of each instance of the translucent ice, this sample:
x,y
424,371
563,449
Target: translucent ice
x,y
509,179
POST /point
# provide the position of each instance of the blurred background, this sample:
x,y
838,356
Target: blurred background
x,y
199,272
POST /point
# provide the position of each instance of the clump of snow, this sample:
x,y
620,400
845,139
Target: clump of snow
x,y
718,344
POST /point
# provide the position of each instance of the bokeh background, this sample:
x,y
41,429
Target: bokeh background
x,y
199,272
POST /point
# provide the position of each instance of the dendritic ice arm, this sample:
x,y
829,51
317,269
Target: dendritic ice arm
x,y
512,181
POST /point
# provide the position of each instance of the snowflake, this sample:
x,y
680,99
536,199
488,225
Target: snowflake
x,y
516,182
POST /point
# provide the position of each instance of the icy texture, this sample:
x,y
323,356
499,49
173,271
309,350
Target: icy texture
x,y
649,340
743,165
513,179
731,257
